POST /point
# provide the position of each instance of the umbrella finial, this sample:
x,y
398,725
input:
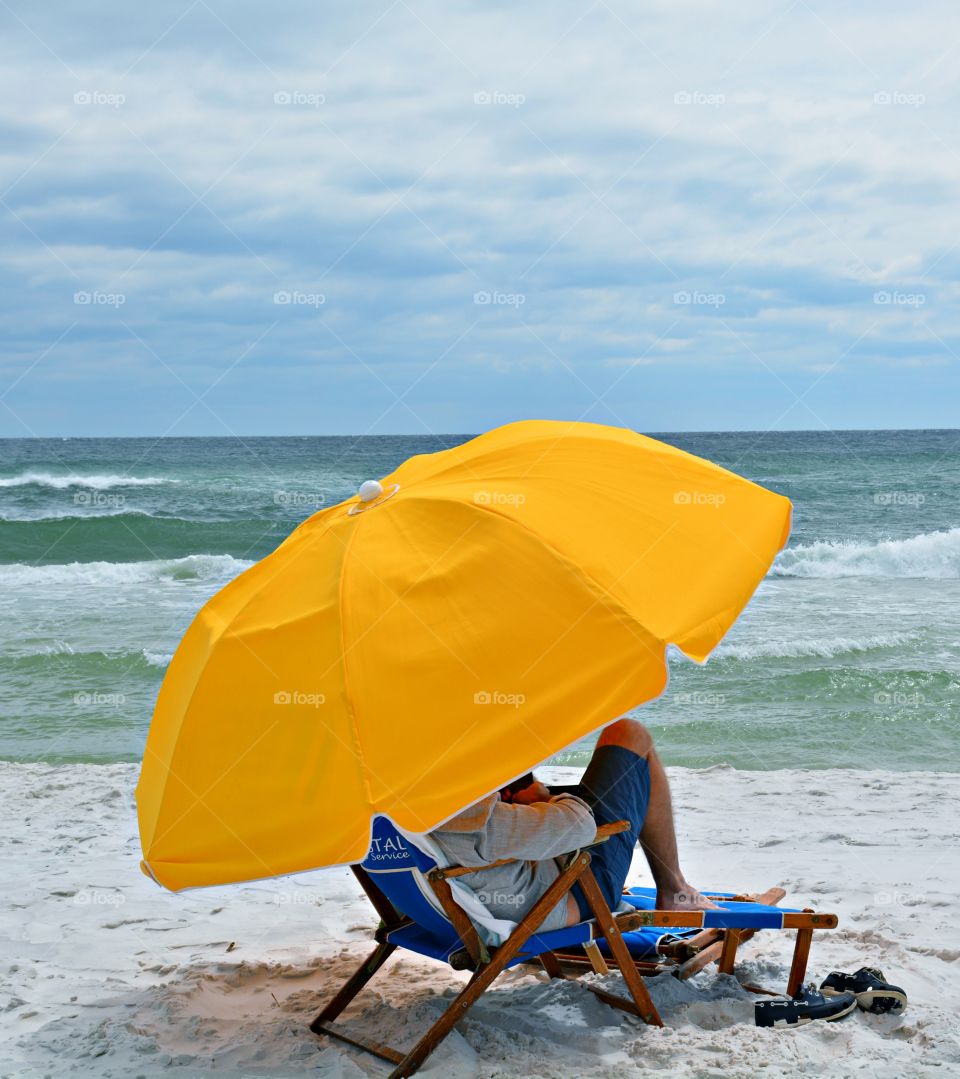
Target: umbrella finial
x,y
369,490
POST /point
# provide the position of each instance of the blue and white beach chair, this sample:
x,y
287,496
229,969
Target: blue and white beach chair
x,y
425,908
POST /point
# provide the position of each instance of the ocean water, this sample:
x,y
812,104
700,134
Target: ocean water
x,y
848,656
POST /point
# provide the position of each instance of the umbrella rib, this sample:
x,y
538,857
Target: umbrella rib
x,y
398,600
219,628
354,725
200,799
613,606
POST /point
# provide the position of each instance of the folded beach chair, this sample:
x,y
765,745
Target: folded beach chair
x,y
425,908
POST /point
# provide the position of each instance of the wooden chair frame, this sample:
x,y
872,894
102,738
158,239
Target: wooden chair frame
x,y
683,959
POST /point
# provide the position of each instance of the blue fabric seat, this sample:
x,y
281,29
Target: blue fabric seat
x,y
398,867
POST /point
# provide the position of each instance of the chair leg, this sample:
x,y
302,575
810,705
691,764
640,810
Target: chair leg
x,y
551,964
798,968
646,1009
728,951
593,953
353,985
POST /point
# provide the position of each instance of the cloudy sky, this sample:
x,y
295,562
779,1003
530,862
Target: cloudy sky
x,y
415,215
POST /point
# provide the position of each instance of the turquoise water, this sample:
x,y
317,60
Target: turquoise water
x,y
848,656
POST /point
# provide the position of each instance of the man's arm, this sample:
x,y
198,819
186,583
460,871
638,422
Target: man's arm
x,y
537,831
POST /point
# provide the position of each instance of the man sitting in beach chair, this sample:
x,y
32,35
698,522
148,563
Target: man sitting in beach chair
x,y
525,822
549,901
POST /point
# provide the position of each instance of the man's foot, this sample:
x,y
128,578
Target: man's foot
x,y
685,897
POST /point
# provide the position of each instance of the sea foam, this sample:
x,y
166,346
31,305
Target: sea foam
x,y
94,481
823,649
27,516
157,659
194,567
933,555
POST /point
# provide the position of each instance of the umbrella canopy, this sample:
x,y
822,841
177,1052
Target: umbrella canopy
x,y
410,650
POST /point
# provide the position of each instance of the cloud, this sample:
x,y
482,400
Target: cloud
x,y
652,196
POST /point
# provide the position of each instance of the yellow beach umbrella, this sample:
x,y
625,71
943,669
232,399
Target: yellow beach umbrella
x,y
413,648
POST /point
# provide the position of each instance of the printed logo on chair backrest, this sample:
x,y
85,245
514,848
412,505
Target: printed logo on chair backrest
x,y
390,850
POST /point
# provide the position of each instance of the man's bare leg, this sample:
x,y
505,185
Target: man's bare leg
x,y
657,837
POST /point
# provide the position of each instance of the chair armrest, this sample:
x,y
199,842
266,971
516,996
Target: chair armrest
x,y
604,831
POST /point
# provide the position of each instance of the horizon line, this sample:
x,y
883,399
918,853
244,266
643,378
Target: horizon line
x,y
474,434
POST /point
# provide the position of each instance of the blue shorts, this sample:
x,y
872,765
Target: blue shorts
x,y
616,786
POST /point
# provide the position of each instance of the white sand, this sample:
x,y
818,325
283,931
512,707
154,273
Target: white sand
x,y
102,973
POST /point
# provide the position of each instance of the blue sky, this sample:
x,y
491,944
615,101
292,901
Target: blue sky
x,y
413,216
